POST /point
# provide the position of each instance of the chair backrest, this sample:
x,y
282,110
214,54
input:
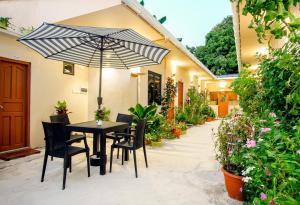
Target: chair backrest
x,y
61,118
55,135
125,118
139,134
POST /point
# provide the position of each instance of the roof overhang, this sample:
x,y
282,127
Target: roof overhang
x,y
130,14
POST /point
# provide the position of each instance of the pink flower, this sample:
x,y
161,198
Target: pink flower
x,y
272,203
272,114
298,151
241,189
263,196
265,129
251,143
268,173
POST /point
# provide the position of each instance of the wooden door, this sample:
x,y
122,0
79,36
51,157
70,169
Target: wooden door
x,y
222,104
180,94
14,104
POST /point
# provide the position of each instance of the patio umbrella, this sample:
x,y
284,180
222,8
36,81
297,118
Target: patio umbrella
x,y
94,47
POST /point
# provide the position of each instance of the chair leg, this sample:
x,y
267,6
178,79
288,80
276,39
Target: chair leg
x,y
111,158
44,166
118,153
145,155
65,172
135,166
51,158
70,164
88,162
123,153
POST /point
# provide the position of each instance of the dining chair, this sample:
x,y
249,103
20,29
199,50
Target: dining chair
x,y
115,136
132,142
64,118
59,145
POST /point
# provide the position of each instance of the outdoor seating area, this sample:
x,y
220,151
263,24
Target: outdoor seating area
x,y
180,170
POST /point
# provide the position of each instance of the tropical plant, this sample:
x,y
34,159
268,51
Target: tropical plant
x,y
4,22
102,114
168,97
275,17
194,105
61,107
219,52
180,115
248,88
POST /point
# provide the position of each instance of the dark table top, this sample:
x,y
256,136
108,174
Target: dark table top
x,y
92,127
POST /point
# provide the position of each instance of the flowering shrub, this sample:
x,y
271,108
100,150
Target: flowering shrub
x,y
272,164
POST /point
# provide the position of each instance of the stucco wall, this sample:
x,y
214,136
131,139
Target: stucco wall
x,y
49,10
119,91
48,84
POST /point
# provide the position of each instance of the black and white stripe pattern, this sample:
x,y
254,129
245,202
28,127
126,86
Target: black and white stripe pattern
x,y
122,48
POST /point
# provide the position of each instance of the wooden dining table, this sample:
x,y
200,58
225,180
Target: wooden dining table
x,y
99,137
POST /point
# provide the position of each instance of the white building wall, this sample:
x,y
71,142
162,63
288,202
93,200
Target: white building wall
x,y
48,85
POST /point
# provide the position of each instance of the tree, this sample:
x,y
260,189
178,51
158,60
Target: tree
x,y
219,52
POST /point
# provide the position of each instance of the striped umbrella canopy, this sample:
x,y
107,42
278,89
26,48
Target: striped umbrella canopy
x,y
94,47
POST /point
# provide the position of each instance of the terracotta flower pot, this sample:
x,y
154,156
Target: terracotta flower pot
x,y
209,119
233,185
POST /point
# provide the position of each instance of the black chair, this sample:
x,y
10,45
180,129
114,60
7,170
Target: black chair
x,y
64,118
133,143
59,145
115,136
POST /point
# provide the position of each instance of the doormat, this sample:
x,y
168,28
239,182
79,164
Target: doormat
x,y
18,154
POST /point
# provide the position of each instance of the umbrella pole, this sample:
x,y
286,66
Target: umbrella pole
x,y
99,99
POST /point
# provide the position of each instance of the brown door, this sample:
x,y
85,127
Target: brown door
x,y
180,94
14,96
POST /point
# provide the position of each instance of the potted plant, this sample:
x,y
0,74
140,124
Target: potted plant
x,y
233,133
102,114
61,107
211,115
4,22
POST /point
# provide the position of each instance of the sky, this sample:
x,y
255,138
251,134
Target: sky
x,y
190,19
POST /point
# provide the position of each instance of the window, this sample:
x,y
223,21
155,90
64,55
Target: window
x,y
154,88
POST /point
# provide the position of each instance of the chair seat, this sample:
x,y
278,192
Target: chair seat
x,y
74,136
114,136
123,144
72,150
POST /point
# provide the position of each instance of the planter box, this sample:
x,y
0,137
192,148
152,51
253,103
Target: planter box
x,y
233,185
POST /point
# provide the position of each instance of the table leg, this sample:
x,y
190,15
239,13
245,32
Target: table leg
x,y
126,157
95,143
103,157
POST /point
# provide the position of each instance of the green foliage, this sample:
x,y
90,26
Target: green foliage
x,y
26,30
208,111
280,79
61,107
102,114
275,17
233,133
143,112
274,163
246,86
219,52
4,22
194,106
168,97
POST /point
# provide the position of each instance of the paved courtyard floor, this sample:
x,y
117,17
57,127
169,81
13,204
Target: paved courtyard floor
x,y
182,172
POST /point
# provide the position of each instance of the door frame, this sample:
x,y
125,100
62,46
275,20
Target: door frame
x,y
28,74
